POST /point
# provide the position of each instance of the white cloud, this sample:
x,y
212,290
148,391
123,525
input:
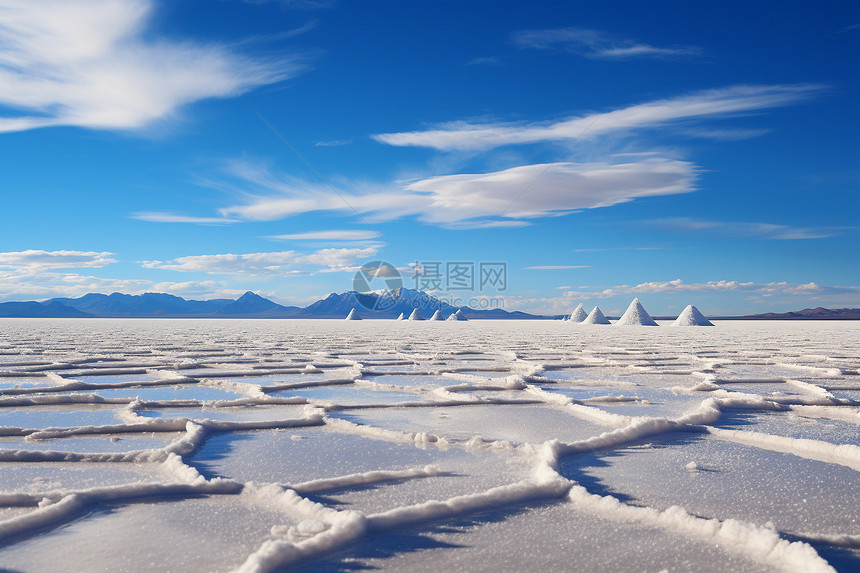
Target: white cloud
x,y
95,64
334,235
155,217
36,259
762,289
704,104
596,44
333,143
733,295
726,134
32,284
468,201
38,284
545,190
281,263
743,229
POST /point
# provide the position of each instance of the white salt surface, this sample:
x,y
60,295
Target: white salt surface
x,y
242,445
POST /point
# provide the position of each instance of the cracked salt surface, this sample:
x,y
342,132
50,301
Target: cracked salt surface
x,y
241,445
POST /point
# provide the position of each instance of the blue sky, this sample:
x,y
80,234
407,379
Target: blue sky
x,y
682,152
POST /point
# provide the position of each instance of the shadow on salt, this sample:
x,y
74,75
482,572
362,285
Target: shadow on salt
x,y
515,423
543,537
204,534
728,480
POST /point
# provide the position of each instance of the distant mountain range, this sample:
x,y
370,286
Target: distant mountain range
x,y
819,313
386,304
383,304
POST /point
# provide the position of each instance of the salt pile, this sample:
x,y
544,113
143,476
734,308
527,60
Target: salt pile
x,y
437,315
636,315
457,315
578,314
353,315
595,317
415,315
401,317
691,316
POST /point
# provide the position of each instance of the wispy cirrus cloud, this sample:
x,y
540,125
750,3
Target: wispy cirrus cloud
x,y
96,65
158,217
498,199
730,134
743,229
38,259
333,143
597,44
280,263
463,135
333,235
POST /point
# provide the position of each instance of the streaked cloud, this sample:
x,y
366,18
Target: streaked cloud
x,y
95,64
546,190
769,289
597,44
280,263
463,135
333,143
726,134
157,217
498,199
743,229
37,259
334,235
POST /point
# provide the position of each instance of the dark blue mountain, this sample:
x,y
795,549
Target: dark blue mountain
x,y
383,304
391,303
250,303
147,304
41,310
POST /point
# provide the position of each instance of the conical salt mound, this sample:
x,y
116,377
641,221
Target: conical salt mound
x,y
636,315
415,315
595,317
353,315
401,317
437,315
578,314
692,317
457,315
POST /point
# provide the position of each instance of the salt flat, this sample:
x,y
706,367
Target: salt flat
x,y
268,445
